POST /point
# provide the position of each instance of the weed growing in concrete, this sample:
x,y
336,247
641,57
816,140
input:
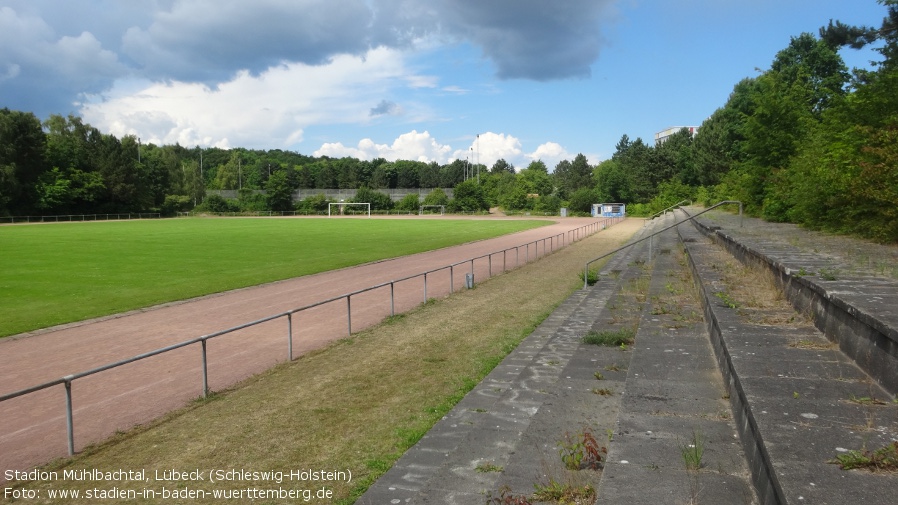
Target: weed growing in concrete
x,y
486,467
582,451
614,367
564,493
692,457
506,497
727,299
599,376
828,274
609,338
592,277
866,400
884,459
693,452
811,344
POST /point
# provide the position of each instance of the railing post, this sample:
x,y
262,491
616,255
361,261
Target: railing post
x,y
490,263
70,427
425,287
451,279
205,371
392,300
289,336
349,315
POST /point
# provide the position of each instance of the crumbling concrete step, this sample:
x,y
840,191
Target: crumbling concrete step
x,y
850,306
504,432
797,406
674,399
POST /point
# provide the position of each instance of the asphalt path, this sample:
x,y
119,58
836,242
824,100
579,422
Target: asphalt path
x,y
33,427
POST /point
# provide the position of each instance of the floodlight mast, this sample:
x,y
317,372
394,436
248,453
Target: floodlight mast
x,y
477,152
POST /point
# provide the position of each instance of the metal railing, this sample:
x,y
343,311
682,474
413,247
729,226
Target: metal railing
x,y
650,236
122,216
662,212
549,245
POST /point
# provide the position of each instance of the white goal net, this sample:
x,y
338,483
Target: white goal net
x,y
343,211
435,208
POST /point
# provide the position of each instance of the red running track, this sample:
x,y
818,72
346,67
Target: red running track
x,y
33,427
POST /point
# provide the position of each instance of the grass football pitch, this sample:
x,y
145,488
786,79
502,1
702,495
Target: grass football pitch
x,y
59,273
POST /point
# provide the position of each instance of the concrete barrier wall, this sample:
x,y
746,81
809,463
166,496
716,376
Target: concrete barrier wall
x,y
396,194
858,314
763,477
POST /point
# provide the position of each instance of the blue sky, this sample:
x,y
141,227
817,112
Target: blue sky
x,y
433,80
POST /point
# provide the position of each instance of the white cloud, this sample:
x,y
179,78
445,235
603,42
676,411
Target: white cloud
x,y
408,146
457,90
489,147
249,111
485,149
550,153
422,81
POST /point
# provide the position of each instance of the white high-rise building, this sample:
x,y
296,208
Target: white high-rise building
x,y
663,135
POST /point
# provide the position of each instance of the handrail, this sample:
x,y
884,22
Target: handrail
x,y
586,268
659,213
567,237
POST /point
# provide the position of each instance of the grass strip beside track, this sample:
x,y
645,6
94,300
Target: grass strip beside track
x,y
359,403
61,273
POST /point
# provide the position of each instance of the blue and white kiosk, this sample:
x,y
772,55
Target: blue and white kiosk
x,y
609,210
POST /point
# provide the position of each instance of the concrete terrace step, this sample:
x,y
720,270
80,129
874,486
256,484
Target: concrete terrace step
x,y
674,394
505,431
850,303
793,403
771,414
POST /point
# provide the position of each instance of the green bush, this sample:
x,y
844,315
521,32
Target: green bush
x,y
549,204
250,201
378,200
218,203
436,197
314,203
410,203
176,203
582,200
469,197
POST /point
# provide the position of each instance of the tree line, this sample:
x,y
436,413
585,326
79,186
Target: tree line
x,y
65,166
807,141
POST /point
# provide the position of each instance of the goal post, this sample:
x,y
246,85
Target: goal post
x,y
342,207
441,207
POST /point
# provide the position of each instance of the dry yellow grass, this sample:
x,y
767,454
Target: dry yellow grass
x,y
355,406
756,293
